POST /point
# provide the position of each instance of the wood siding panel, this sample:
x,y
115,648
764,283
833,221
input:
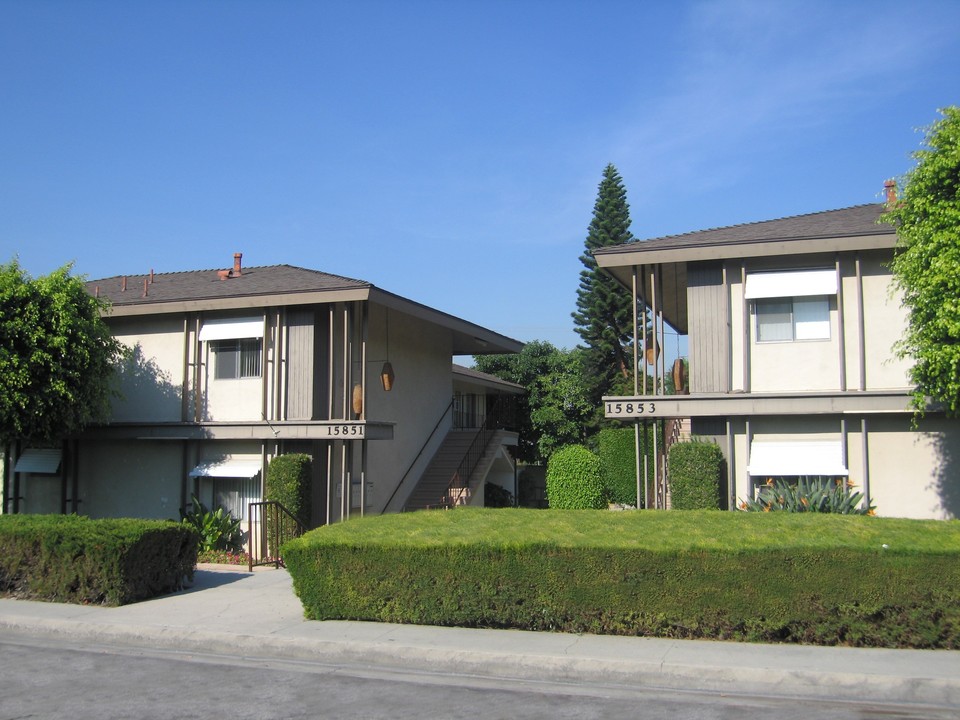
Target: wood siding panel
x,y
709,336
300,365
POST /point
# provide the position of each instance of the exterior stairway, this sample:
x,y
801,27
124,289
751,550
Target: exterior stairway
x,y
432,490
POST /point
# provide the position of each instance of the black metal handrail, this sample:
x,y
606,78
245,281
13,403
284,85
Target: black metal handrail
x,y
269,525
460,481
423,447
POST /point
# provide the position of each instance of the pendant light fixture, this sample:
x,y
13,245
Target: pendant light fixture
x,y
386,372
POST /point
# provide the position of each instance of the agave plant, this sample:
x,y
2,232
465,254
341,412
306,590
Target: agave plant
x,y
217,528
809,494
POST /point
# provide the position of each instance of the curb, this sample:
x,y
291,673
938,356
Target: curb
x,y
664,665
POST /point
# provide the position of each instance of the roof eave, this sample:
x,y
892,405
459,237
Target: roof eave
x,y
636,254
239,302
468,338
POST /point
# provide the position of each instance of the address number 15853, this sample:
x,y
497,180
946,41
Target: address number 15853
x,y
630,409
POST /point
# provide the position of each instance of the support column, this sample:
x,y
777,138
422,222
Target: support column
x,y
861,349
865,449
840,328
731,468
745,312
6,479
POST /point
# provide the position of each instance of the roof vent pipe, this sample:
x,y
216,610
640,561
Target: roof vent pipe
x,y
123,284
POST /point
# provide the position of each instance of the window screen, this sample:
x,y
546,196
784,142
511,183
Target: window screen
x,y
785,320
237,358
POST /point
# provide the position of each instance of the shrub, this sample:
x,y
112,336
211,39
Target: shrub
x,y
289,483
695,470
618,466
817,494
216,529
495,496
67,558
772,577
573,480
532,486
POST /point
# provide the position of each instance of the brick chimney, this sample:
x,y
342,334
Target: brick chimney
x,y
890,190
237,269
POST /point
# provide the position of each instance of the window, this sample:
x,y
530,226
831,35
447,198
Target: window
x,y
788,319
236,358
466,411
231,483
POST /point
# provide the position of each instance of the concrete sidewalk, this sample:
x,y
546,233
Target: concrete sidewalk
x,y
256,615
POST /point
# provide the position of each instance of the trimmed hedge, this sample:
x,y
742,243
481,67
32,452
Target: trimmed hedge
x,y
824,579
695,473
617,451
69,558
573,480
289,480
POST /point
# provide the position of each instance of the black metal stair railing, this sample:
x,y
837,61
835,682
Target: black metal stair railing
x,y
500,415
269,525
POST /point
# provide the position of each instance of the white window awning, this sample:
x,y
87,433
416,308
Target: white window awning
x,y
40,462
795,283
800,457
227,469
231,329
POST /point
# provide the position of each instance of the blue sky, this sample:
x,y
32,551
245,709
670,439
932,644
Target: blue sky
x,y
448,151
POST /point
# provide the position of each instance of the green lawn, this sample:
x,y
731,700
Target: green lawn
x,y
646,530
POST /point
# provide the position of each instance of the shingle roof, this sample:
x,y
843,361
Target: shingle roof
x,y
474,374
854,221
207,285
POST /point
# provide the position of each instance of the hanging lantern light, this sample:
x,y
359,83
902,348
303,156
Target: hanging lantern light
x,y
358,400
386,376
386,372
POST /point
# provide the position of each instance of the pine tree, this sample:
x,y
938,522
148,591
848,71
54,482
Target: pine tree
x,y
604,318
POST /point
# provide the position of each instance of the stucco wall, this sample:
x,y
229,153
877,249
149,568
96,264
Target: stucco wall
x,y
795,366
130,479
816,365
151,378
423,388
912,474
884,323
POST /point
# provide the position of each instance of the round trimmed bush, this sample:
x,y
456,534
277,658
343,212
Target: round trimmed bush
x,y
573,480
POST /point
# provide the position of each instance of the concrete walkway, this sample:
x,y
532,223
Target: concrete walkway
x,y
256,615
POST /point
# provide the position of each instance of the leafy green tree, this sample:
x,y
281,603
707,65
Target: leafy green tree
x,y
554,410
604,316
926,266
56,356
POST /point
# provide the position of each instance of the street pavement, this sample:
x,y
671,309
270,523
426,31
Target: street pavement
x,y
231,612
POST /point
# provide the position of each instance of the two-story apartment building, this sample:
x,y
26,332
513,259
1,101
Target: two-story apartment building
x,y
791,325
230,368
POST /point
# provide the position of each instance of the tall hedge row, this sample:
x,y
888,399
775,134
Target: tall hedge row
x,y
618,468
573,480
289,482
68,558
695,471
